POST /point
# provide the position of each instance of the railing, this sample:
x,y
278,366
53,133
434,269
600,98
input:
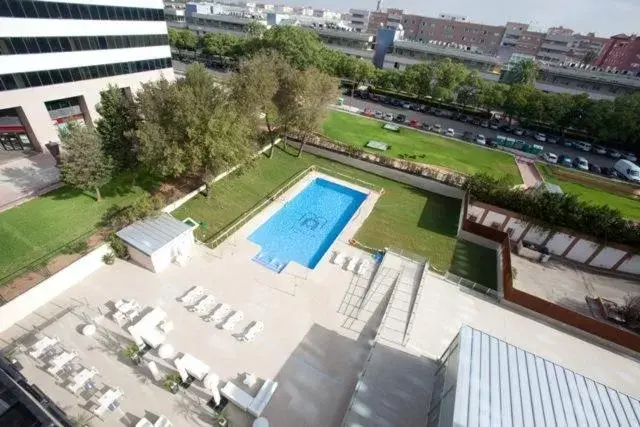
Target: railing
x,y
476,287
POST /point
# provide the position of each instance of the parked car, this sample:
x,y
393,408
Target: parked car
x,y
518,132
425,126
485,123
456,116
388,117
475,122
568,143
549,157
630,156
564,160
610,172
494,125
396,102
368,112
594,168
480,139
437,112
580,163
436,128
552,139
599,149
581,145
400,118
450,132
614,154
467,136
374,97
414,124
406,105
539,136
491,143
379,115
628,170
416,107
464,118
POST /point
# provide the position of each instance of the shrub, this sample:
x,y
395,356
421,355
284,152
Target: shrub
x,y
118,247
556,210
118,217
109,258
76,247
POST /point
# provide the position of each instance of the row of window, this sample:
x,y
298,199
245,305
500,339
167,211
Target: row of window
x,y
49,77
61,10
23,45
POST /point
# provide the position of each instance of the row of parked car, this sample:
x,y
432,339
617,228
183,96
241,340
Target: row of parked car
x,y
497,125
622,169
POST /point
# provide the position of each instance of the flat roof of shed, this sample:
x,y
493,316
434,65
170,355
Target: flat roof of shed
x,y
151,234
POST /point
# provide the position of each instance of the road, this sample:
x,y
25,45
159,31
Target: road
x,y
460,128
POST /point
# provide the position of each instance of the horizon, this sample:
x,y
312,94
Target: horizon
x,y
582,16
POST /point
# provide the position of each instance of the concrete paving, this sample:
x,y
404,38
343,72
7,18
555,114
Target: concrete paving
x,y
24,175
567,285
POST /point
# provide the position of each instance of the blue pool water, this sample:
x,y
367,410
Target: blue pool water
x,y
306,226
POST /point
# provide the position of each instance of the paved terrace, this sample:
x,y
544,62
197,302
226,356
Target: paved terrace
x,y
306,345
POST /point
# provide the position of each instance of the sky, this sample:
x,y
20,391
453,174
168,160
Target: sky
x,y
603,17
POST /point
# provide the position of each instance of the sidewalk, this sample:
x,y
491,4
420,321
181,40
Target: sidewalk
x,y
26,177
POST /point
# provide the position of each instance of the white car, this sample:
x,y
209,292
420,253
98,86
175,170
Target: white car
x,y
599,149
614,154
406,105
549,157
436,128
480,139
580,163
388,117
519,132
539,136
450,132
629,156
378,115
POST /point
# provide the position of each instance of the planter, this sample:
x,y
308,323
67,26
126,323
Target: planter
x,y
174,388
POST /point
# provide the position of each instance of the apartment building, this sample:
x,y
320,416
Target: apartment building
x,y
377,19
456,30
359,19
621,53
518,38
56,58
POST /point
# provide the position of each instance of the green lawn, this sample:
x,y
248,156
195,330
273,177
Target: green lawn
x,y
44,225
628,206
429,148
411,219
476,263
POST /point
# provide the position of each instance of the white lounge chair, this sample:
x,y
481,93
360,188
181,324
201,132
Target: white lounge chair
x,y
204,305
263,397
362,268
252,332
191,296
233,320
338,258
351,265
219,313
166,326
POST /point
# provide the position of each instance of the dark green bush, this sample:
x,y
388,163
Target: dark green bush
x,y
118,247
556,210
118,217
76,247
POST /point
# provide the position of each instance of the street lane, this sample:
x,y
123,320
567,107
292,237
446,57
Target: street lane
x,y
460,128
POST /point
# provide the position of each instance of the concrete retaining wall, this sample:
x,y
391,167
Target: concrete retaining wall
x,y
26,303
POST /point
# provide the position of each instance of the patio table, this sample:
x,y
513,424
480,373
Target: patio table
x,y
80,379
195,367
39,347
58,362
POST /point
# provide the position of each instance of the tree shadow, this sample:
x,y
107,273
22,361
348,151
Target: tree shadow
x,y
29,179
440,213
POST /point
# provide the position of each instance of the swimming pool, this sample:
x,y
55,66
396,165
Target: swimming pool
x,y
306,226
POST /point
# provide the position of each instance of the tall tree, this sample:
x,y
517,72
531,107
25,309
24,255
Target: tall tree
x,y
524,72
590,56
470,90
516,98
84,164
183,40
117,127
220,45
303,100
447,77
255,29
301,47
255,86
193,127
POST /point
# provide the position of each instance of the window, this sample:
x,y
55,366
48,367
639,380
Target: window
x,y
63,10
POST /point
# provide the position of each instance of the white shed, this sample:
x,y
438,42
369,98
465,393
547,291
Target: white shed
x,y
155,242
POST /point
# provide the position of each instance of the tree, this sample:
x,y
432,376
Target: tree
x,y
220,45
255,29
516,98
590,56
419,79
493,97
255,86
84,164
301,47
448,76
471,89
193,127
182,40
117,127
524,72
302,102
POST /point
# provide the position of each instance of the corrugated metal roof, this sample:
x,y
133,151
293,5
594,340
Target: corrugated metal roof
x,y
502,385
151,234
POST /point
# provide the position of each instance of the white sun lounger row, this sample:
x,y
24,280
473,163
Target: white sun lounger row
x,y
192,296
252,332
204,305
351,263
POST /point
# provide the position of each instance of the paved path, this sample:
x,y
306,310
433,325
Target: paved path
x,y
528,172
24,177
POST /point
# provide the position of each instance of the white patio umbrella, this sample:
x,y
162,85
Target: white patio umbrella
x,y
211,382
261,422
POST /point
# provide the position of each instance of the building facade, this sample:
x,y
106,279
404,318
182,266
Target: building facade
x,y
56,58
622,53
519,39
359,19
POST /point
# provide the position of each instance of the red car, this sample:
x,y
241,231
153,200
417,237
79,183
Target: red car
x,y
414,124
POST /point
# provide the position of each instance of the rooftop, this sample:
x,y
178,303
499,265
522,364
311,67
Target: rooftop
x,y
152,234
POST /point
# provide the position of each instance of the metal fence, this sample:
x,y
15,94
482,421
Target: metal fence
x,y
476,287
